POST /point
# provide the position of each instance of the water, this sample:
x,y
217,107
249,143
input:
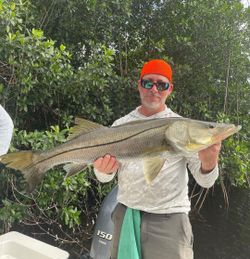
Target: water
x,y
221,233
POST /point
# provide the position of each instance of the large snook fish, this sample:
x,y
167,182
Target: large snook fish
x,y
145,139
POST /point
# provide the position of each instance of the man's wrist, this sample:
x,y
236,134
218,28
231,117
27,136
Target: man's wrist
x,y
206,169
112,172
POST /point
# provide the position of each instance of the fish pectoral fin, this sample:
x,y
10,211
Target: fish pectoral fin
x,y
83,126
74,168
151,167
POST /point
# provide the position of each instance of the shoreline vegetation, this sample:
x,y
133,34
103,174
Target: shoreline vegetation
x,y
82,58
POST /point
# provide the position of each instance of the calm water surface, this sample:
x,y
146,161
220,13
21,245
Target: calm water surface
x,y
220,233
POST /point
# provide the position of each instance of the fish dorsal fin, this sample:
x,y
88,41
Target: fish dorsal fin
x,y
83,126
151,167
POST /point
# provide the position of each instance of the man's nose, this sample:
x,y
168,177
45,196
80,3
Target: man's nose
x,y
154,88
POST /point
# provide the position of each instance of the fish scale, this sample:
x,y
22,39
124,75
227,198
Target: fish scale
x,y
144,139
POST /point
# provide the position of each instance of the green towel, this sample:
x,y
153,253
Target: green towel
x,y
130,237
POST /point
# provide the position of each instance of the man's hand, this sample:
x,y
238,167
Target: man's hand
x,y
209,158
106,164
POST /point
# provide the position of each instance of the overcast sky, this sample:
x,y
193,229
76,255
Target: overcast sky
x,y
246,2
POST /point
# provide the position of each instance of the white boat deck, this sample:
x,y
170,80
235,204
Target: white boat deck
x,y
14,245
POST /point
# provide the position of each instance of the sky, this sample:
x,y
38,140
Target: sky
x,y
246,2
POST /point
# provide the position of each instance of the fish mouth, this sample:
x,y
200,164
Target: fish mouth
x,y
226,133
216,135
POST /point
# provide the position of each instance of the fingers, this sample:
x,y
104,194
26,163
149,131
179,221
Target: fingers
x,y
106,164
216,147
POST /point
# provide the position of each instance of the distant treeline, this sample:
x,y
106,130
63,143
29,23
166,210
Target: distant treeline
x,y
60,59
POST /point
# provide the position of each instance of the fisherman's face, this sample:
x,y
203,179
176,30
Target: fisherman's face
x,y
154,98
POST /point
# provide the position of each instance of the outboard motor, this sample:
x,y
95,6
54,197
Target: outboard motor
x,y
103,233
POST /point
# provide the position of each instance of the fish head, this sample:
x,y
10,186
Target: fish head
x,y
192,136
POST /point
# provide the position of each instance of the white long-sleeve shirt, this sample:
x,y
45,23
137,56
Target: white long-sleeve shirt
x,y
168,192
6,130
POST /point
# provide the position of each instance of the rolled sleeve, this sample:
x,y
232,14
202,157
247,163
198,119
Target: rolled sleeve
x,y
204,180
104,178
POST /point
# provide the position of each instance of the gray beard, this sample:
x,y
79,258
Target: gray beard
x,y
151,105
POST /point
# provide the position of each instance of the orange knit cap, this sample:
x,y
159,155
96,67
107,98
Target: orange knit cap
x,y
157,66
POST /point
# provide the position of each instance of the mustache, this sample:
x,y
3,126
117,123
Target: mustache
x,y
153,95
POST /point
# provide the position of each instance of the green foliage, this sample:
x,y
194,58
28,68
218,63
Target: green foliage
x,y
70,216
235,157
64,59
236,162
38,140
10,212
59,202
35,69
43,83
88,95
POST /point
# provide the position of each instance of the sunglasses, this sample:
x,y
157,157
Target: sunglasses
x,y
161,86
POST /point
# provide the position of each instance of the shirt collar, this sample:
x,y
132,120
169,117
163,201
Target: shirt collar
x,y
156,115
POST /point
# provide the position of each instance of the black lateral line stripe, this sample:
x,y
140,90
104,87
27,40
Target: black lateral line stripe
x,y
86,147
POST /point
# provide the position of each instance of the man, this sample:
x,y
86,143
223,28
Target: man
x,y
6,130
164,204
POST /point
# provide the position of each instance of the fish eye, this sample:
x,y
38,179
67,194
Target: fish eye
x,y
210,126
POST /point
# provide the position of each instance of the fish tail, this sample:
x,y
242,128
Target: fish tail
x,y
26,162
